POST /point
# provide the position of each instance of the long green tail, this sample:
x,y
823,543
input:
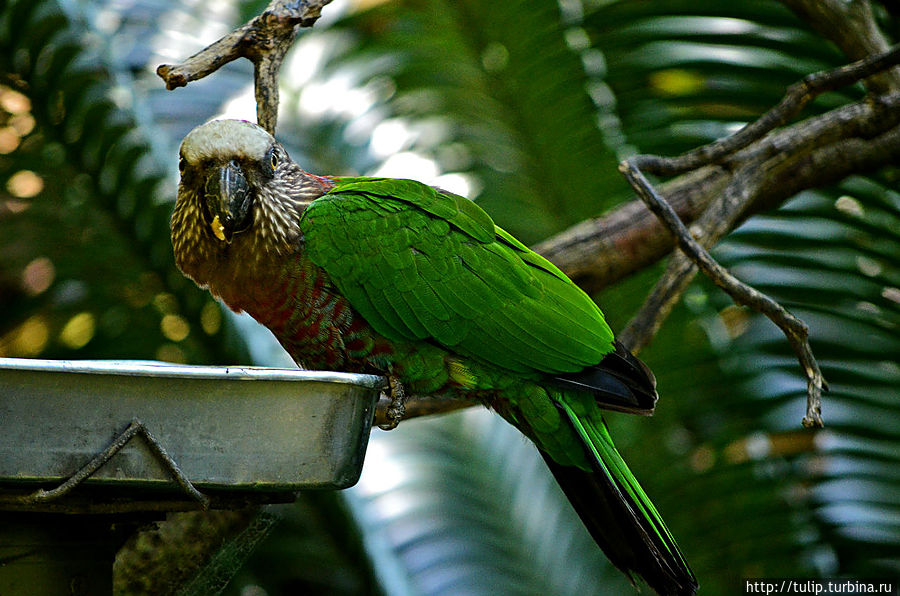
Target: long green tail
x,y
618,513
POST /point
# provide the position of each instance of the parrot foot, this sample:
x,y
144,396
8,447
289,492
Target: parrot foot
x,y
397,410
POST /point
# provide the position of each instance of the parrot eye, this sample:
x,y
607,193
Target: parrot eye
x,y
273,158
182,163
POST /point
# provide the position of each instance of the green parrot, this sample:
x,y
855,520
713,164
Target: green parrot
x,y
397,278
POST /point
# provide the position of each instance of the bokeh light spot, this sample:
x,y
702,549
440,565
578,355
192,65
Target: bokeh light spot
x,y
868,267
736,320
165,303
850,206
38,275
9,140
25,184
892,294
175,327
78,331
16,206
171,353
702,458
13,101
211,318
495,57
676,81
27,340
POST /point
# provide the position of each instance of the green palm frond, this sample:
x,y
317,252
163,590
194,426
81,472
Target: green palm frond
x,y
846,291
462,504
683,74
483,99
99,225
700,70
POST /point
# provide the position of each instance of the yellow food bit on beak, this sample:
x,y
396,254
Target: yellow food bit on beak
x,y
217,228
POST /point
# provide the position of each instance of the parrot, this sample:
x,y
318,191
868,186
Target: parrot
x,y
398,278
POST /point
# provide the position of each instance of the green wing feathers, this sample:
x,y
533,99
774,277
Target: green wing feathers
x,y
419,263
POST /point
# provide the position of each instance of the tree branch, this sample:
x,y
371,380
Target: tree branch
x,y
418,405
264,41
738,151
852,139
794,329
782,165
852,27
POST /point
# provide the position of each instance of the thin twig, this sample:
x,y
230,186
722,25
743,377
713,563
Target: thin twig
x,y
853,27
794,329
264,41
87,470
713,224
798,95
171,466
724,212
419,405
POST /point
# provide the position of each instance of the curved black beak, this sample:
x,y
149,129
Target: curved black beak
x,y
228,200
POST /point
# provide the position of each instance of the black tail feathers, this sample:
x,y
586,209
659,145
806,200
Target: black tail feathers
x,y
628,541
619,382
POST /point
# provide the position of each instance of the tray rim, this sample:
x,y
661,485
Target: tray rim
x,y
165,370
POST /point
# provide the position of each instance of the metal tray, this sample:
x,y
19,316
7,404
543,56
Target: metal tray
x,y
234,428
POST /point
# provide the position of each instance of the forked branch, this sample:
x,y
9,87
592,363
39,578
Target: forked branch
x,y
723,214
264,41
794,329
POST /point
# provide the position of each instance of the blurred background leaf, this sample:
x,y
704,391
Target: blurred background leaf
x,y
526,108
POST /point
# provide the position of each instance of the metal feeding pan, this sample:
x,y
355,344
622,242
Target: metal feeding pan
x,y
224,428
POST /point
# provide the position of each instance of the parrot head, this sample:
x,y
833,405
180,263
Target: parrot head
x,y
240,198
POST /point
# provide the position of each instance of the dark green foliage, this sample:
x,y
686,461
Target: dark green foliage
x,y
498,105
817,255
97,234
746,491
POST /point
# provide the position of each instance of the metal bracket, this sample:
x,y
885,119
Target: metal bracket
x,y
135,428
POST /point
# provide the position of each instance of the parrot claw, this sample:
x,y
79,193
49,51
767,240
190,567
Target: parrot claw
x,y
397,410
